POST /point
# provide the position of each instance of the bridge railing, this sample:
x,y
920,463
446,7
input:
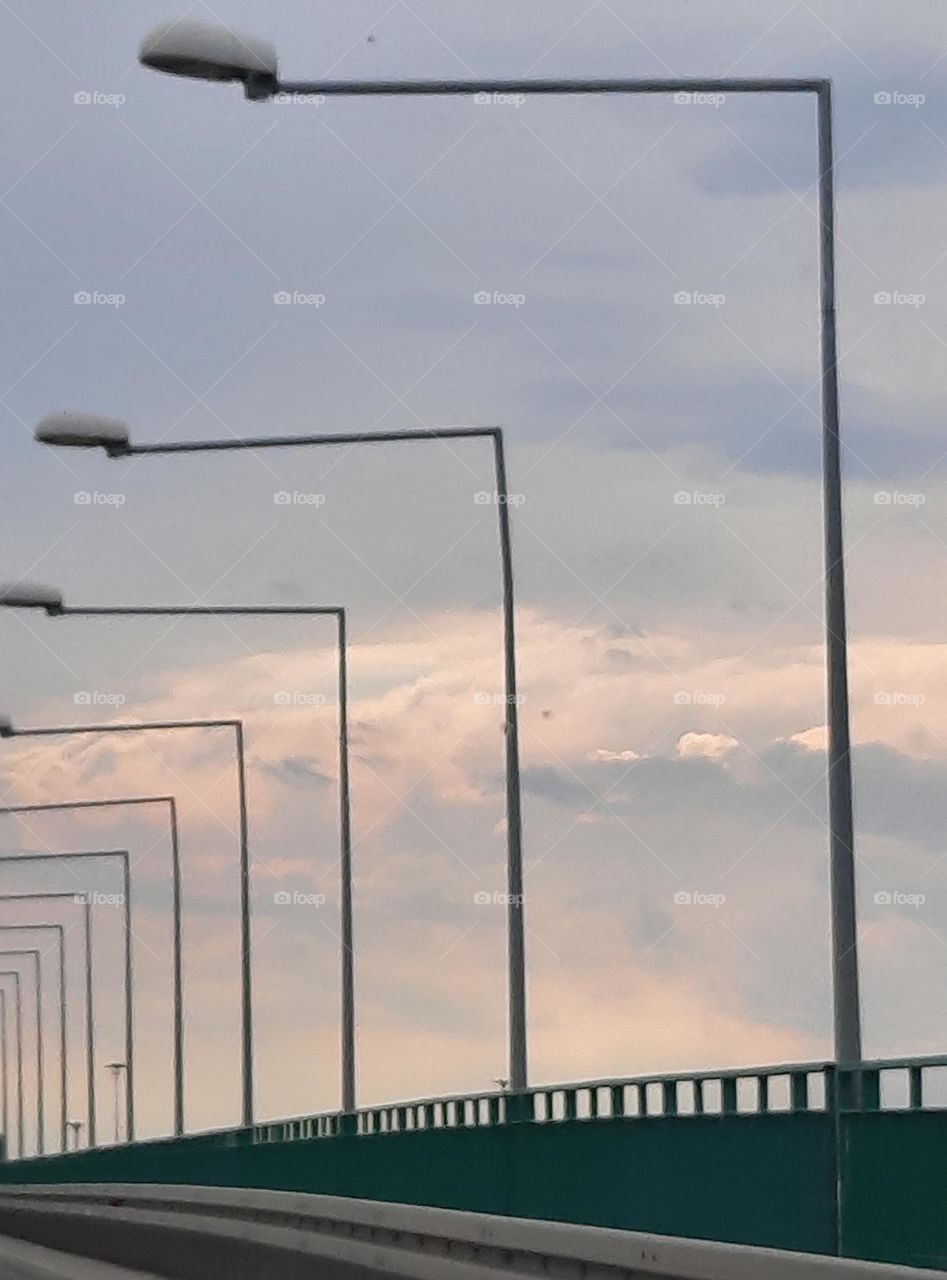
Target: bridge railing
x,y
883,1084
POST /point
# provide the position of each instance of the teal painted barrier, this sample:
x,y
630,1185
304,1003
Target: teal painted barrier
x,y
748,1157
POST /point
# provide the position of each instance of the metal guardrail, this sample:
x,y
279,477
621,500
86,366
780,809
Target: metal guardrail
x,y
191,1233
884,1084
890,1084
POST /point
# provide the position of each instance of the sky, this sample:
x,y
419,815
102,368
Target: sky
x,y
629,287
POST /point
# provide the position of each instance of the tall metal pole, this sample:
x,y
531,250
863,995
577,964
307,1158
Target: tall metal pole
x,y
847,1011
12,973
19,1065
345,878
246,941
33,954
129,1032
40,1066
63,1067
177,973
3,1067
89,1026
516,944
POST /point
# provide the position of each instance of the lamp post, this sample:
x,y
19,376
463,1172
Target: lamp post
x,y
83,430
178,1010
3,1067
51,601
63,1057
196,50
84,901
9,730
116,1069
84,856
75,1127
18,1015
33,953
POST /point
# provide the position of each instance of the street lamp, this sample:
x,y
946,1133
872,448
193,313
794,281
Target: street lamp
x,y
12,973
82,430
9,730
63,1069
75,1127
204,52
116,1069
33,595
122,855
86,905
33,953
178,1012
212,53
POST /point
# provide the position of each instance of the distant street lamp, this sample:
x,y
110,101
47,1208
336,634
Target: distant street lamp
x,y
18,1014
116,1069
23,859
3,1067
178,1012
197,50
33,953
32,595
71,896
63,1056
9,730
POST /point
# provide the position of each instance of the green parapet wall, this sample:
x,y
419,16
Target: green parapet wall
x,y
808,1157
763,1180
894,1187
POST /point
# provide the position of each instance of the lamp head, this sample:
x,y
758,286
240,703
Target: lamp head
x,y
30,595
205,52
83,431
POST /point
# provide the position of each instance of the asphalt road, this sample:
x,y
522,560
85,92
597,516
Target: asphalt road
x,y
22,1261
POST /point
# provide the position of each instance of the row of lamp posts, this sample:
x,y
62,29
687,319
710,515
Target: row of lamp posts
x,y
200,51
